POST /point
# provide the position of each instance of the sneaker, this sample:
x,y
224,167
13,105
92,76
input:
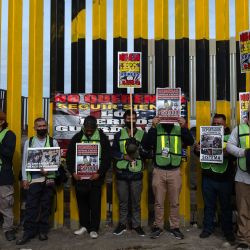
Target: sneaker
x,y
10,235
155,233
177,233
80,231
139,231
242,246
93,235
204,234
120,229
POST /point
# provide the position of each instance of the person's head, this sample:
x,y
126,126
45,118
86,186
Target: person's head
x,y
219,120
127,118
89,125
3,123
41,127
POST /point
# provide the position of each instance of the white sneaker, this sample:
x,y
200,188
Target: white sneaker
x,y
80,231
93,235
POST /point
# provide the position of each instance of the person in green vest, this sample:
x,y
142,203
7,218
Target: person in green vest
x,y
128,166
7,149
167,141
217,184
239,146
89,191
39,185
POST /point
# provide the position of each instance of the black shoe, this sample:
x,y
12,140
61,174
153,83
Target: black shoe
x,y
242,246
204,234
230,237
155,233
120,229
177,233
43,237
139,231
23,240
10,235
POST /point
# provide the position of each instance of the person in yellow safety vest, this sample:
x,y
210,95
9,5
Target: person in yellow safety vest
x,y
217,183
128,168
239,146
7,149
166,141
39,186
89,191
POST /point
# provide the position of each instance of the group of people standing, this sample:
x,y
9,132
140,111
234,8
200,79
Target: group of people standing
x,y
131,146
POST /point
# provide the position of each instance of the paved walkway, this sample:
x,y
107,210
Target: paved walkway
x,y
64,239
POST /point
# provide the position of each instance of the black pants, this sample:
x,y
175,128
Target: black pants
x,y
89,205
38,208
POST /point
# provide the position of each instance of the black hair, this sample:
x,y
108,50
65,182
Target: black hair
x,y
5,125
128,112
40,119
90,121
222,116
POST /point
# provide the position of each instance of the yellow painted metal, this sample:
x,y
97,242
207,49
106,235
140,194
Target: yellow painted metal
x,y
202,19
115,201
223,107
78,26
144,196
181,19
248,82
35,105
241,17
141,19
222,20
120,18
161,19
104,203
74,217
14,87
99,19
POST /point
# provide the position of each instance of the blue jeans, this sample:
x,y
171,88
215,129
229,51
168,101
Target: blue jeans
x,y
211,190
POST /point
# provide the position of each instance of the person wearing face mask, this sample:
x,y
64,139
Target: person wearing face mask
x,y
39,186
7,149
128,168
88,191
166,141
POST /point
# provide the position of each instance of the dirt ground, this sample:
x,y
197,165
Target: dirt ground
x,y
64,239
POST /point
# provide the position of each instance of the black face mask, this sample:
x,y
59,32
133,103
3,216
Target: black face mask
x,y
128,125
42,132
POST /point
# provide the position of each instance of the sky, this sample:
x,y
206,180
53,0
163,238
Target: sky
x,y
67,66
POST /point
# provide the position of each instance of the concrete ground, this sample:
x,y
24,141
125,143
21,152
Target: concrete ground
x,y
64,239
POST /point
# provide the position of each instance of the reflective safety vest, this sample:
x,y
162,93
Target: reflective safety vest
x,y
2,135
95,138
219,168
51,174
243,132
123,164
170,141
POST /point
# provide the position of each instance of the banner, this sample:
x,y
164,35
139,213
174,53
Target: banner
x,y
211,144
129,69
244,102
168,104
70,111
245,51
47,159
87,159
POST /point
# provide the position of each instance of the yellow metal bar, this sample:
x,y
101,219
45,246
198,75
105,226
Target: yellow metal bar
x,y
104,203
115,202
120,18
202,19
99,19
181,19
74,217
161,19
78,26
35,105
222,20
144,196
14,87
141,19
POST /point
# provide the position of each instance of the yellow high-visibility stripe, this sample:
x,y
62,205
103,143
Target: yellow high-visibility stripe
x,y
78,26
181,19
99,20
161,19
247,141
141,19
176,144
202,19
35,100
120,18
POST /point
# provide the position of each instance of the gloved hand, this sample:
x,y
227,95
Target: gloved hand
x,y
132,147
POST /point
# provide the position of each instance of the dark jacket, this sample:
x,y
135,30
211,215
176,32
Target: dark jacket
x,y
7,150
117,155
105,156
150,142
